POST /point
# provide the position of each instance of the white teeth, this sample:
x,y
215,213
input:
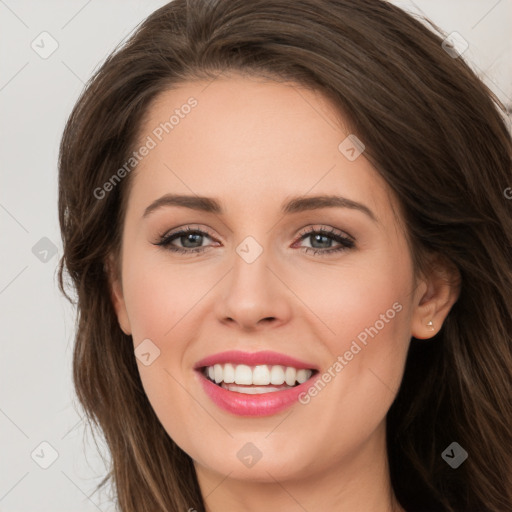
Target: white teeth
x,y
260,375
218,373
256,390
303,375
243,374
229,373
277,375
290,375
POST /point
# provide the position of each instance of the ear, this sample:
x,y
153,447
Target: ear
x,y
116,295
436,293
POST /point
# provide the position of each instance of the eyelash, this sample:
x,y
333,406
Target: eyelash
x,y
345,241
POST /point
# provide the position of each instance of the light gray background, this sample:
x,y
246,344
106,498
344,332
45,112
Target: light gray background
x,y
37,402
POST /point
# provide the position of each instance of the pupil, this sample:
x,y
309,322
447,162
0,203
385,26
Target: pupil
x,y
187,238
318,237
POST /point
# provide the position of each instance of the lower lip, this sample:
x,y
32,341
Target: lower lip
x,y
264,404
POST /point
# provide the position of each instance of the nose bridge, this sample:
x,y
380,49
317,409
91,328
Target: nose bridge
x,y
250,281
252,292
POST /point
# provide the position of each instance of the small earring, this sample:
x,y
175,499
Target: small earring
x,y
430,325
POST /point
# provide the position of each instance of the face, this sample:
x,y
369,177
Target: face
x,y
329,284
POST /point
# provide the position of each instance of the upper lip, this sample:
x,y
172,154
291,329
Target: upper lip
x,y
253,359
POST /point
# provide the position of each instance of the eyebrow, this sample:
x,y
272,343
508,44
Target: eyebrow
x,y
294,205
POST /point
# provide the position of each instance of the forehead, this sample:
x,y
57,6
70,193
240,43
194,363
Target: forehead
x,y
250,140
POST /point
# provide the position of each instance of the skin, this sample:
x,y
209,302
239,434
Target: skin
x,y
253,144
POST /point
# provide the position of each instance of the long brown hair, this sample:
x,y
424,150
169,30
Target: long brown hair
x,y
431,128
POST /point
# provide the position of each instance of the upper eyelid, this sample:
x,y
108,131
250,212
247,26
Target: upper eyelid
x,y
330,231
185,229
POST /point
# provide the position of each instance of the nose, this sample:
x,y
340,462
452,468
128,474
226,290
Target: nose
x,y
254,295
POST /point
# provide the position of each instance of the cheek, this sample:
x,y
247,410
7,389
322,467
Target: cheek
x,y
363,299
367,309
160,301
158,295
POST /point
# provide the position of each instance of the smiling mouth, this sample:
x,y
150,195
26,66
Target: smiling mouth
x,y
255,380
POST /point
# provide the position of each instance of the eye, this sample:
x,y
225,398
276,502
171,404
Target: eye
x,y
191,241
321,241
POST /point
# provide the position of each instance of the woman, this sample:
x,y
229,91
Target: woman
x,y
287,229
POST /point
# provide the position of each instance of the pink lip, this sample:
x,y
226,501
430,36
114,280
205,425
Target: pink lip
x,y
254,405
253,359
